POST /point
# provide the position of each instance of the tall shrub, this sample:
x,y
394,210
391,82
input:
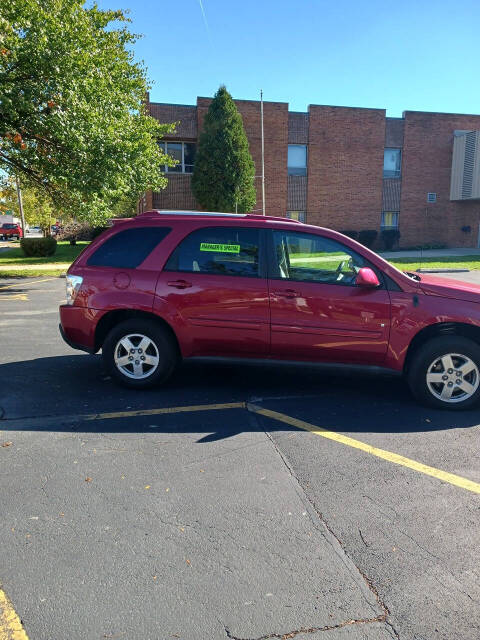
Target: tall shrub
x,y
224,172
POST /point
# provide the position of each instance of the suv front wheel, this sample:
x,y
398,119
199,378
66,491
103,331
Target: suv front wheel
x,y
139,353
445,373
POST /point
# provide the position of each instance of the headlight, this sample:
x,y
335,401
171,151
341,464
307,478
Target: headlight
x,y
73,284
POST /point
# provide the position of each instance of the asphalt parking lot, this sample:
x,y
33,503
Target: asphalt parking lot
x,y
238,501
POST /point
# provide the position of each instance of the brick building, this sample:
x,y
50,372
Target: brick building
x,y
348,168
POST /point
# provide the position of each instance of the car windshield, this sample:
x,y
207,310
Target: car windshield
x,y
9,226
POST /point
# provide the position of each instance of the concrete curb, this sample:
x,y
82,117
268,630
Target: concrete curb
x,y
443,270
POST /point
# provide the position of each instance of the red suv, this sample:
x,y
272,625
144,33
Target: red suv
x,y
165,286
11,230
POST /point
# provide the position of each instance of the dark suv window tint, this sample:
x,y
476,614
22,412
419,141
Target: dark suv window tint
x,y
127,249
219,250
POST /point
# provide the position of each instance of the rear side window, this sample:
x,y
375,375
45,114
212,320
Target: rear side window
x,y
227,251
127,249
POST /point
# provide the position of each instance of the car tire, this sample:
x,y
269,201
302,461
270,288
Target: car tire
x,y
445,373
140,353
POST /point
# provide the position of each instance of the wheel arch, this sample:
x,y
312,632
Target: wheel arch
x,y
114,317
440,329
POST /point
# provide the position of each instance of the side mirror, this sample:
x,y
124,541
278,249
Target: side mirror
x,y
367,277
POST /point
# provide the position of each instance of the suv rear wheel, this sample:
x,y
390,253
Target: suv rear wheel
x,y
139,353
445,373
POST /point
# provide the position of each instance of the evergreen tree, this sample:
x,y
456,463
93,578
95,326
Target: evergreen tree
x,y
224,172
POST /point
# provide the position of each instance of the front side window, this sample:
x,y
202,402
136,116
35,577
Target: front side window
x,y
311,258
183,153
392,159
129,248
218,250
297,159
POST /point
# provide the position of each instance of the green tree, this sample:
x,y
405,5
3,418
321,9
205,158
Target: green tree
x,y
37,207
38,210
224,172
125,208
72,116
8,196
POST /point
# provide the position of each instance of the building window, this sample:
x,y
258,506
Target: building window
x,y
297,159
183,152
297,215
392,163
389,220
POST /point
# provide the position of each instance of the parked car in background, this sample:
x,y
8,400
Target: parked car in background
x,y
11,230
34,230
167,286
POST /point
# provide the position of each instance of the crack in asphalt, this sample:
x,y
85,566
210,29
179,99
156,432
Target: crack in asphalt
x,y
424,551
362,538
383,617
305,630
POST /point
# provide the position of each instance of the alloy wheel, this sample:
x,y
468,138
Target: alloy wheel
x,y
136,356
453,377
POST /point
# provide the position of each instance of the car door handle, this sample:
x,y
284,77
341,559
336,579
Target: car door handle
x,y
179,284
287,293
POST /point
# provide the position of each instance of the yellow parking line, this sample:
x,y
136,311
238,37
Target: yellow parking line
x,y
15,296
12,286
444,476
11,627
165,410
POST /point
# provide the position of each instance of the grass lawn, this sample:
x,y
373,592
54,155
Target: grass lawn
x,y
446,262
14,264
315,254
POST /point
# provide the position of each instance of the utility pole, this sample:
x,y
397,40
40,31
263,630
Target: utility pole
x,y
263,153
20,204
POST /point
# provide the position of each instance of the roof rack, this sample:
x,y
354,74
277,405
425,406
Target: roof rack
x,y
259,216
191,213
256,216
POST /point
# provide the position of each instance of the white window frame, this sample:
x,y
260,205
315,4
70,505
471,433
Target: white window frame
x,y
306,161
168,169
398,172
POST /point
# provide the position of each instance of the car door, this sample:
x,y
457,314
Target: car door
x,y
317,310
214,286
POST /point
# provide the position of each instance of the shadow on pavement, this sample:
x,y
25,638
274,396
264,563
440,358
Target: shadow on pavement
x,y
342,401
11,289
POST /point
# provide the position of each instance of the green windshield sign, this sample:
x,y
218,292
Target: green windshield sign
x,y
219,248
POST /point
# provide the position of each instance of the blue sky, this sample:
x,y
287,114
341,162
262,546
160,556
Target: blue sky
x,y
403,55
